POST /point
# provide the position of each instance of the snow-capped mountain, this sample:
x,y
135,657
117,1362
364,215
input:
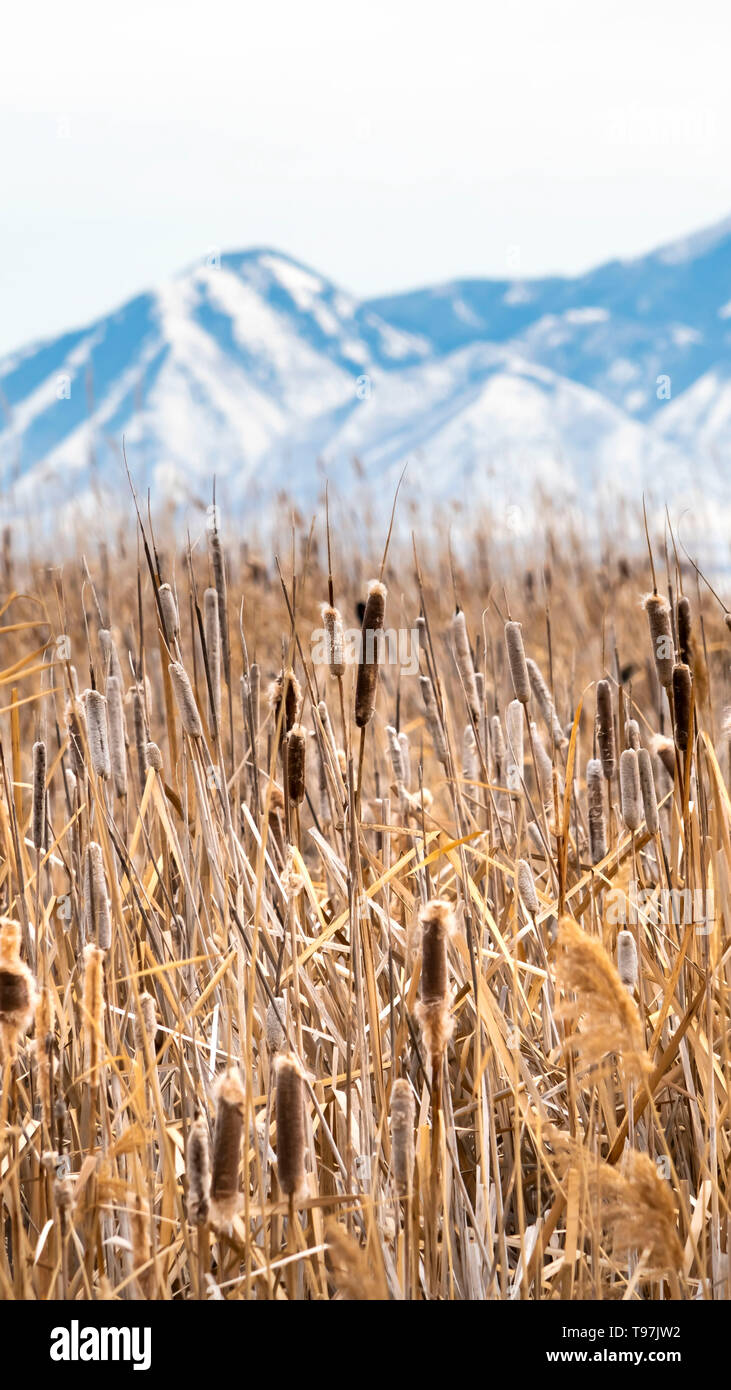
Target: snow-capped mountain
x,y
255,368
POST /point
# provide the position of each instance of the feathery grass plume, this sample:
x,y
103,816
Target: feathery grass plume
x,y
682,701
661,636
597,819
296,750
109,652
225,1195
544,766
403,739
605,729
606,1018
434,723
44,1053
139,1225
632,734
436,922
647,787
96,731
685,631
514,745
627,964
93,1027
117,748
516,660
545,704
39,795
402,1136
635,1208
97,919
465,665
169,609
497,744
290,1127
218,565
146,1024
185,700
18,993
366,684
335,640
629,789
153,756
198,1171
274,1024
212,630
527,887
470,760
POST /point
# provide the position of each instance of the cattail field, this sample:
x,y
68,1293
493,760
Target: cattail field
x,y
365,916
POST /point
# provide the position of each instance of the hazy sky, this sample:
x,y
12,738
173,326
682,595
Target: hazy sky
x,y
387,144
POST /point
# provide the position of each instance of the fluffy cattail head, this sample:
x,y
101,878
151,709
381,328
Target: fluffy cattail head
x,y
185,700
527,887
402,1136
629,789
433,721
605,729
146,1024
465,666
661,637
545,704
169,610
597,821
290,1127
335,640
436,921
225,1196
39,794
296,750
683,704
647,787
627,960
516,660
285,690
97,921
514,745
153,756
632,734
93,1028
274,1024
117,740
18,994
367,679
198,1171
96,731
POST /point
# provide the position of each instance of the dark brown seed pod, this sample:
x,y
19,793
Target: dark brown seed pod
x,y
367,679
661,637
683,703
595,799
647,787
629,789
39,794
296,749
685,631
436,920
198,1170
605,729
516,660
225,1196
218,566
402,1136
290,1127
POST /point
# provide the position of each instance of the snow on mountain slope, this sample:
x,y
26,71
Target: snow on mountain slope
x,y
256,368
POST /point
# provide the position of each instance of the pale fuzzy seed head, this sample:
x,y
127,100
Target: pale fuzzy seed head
x,y
402,1135
153,756
198,1170
545,704
96,731
465,665
514,745
433,721
109,652
185,699
212,630
169,611
516,660
403,739
470,760
632,734
527,887
117,735
335,640
274,1024
597,821
97,920
664,750
627,960
146,1024
647,787
629,788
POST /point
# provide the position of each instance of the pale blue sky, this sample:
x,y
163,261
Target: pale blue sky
x,y
388,144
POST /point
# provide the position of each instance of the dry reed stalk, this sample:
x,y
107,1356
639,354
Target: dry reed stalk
x,y
607,1018
218,565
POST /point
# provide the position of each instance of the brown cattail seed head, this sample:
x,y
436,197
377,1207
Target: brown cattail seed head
x,y
627,960
153,756
682,701
117,741
527,887
93,1028
198,1169
516,659
685,631
96,732
290,1127
274,1024
436,920
140,731
97,921
18,994
296,746
185,699
225,1197
661,637
463,658
39,794
109,652
367,679
647,787
219,579
629,789
402,1136
433,721
632,734
545,704
146,1024
169,610
605,729
334,639
597,822
212,630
